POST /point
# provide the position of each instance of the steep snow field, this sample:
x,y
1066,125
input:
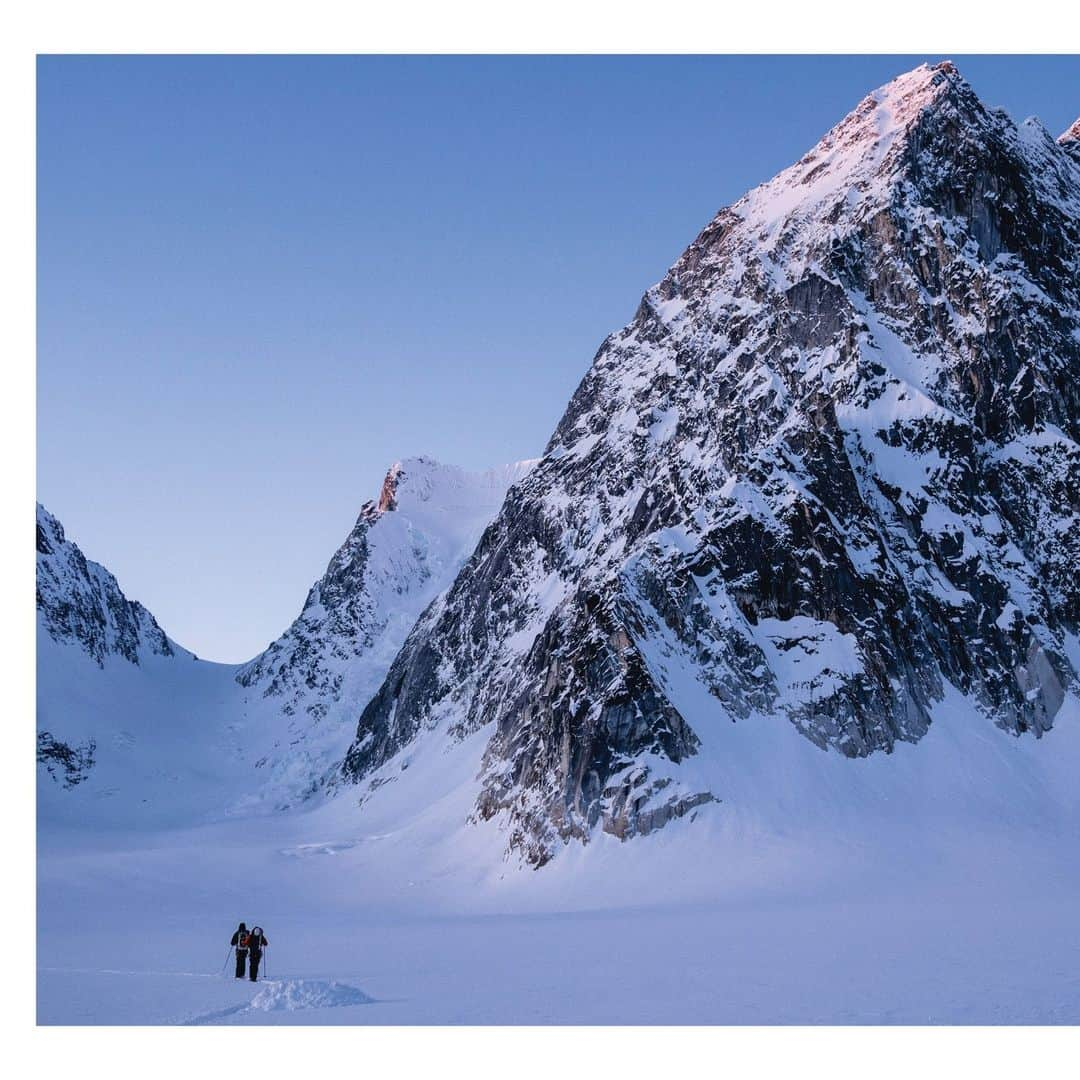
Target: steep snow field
x,y
168,750
937,885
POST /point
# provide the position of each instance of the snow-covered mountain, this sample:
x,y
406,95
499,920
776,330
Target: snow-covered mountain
x,y
404,549
132,719
828,473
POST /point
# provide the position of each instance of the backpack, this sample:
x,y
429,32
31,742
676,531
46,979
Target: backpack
x,y
255,938
242,940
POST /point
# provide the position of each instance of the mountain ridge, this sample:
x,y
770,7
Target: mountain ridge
x,y
278,724
829,468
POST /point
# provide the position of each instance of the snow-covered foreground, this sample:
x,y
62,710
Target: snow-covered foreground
x,y
139,937
892,912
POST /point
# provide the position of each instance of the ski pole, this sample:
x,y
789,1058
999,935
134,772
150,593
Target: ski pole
x,y
226,964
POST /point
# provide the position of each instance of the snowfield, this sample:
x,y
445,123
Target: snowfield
x,y
936,885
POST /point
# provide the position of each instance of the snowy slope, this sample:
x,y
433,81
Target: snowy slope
x,y
129,723
132,724
160,745
936,885
827,478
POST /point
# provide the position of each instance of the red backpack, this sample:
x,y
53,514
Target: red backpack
x,y
242,940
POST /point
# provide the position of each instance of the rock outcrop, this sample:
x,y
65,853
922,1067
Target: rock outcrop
x,y
80,601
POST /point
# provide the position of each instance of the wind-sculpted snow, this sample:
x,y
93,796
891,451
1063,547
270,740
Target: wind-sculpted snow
x,y
828,470
292,994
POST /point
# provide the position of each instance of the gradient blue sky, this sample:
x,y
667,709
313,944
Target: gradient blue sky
x,y
261,280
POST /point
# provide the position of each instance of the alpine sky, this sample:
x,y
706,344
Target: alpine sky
x,y
263,279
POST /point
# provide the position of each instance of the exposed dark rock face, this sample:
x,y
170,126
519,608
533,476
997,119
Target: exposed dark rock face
x,y
338,623
830,466
65,764
80,601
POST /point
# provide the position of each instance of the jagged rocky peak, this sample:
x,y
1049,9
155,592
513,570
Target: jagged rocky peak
x,y
830,467
403,550
388,494
80,602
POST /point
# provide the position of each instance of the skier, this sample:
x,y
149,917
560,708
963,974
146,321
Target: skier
x,y
256,943
240,942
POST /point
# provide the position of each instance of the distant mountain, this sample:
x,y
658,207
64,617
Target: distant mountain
x,y
829,472
134,721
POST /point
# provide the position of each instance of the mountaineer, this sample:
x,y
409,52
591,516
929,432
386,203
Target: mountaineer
x,y
257,941
239,942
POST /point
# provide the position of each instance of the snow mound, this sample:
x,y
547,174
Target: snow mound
x,y
292,994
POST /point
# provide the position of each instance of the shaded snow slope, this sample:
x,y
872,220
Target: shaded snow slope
x,y
827,477
164,749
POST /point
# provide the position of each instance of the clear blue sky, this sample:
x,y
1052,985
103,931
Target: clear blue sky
x,y
263,279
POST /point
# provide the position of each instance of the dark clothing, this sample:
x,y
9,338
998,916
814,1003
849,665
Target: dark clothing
x,y
256,943
241,952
